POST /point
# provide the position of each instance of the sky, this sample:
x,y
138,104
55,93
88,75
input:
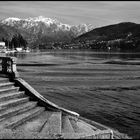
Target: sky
x,y
97,13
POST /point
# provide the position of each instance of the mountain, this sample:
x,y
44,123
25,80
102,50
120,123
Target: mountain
x,y
111,32
42,31
42,28
124,36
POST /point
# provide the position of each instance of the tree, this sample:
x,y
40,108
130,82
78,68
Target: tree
x,y
18,41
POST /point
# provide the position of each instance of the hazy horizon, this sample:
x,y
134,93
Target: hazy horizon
x,y
97,13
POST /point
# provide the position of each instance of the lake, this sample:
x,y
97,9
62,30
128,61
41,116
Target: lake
x,y
101,86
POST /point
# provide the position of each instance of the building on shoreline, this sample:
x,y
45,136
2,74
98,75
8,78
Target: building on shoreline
x,y
2,47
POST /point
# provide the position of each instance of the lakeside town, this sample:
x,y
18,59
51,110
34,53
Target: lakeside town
x,y
119,45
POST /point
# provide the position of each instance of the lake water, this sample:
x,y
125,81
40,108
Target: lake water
x,y
101,86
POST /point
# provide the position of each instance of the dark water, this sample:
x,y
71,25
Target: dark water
x,y
101,86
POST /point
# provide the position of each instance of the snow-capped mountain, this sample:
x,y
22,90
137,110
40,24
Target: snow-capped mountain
x,y
37,24
39,30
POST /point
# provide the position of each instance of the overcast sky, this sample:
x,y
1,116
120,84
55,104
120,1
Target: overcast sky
x,y
97,13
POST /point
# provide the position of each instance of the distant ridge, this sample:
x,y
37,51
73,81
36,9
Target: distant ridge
x,y
46,33
38,27
111,32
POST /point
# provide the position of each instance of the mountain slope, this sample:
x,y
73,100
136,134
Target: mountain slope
x,y
42,27
7,32
111,32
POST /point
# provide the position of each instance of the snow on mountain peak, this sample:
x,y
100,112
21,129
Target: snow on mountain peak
x,y
49,21
41,19
35,24
12,19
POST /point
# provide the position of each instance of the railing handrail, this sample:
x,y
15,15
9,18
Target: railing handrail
x,y
37,95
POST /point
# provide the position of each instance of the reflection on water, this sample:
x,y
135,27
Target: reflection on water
x,y
80,54
93,84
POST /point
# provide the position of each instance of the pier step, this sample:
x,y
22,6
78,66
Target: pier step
x,y
9,90
6,85
66,125
20,119
72,128
76,128
13,102
4,97
3,76
53,125
17,110
4,80
87,135
37,123
76,135
84,127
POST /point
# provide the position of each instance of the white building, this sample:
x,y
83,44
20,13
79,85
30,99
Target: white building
x,y
2,47
2,44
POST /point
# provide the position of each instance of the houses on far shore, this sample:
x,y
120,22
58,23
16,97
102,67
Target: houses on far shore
x,y
2,47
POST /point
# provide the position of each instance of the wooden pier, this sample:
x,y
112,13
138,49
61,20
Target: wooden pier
x,y
24,113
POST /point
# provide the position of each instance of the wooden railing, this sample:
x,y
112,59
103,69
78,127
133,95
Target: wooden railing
x,y
8,66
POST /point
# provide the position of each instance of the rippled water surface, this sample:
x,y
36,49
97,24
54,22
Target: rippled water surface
x,y
101,86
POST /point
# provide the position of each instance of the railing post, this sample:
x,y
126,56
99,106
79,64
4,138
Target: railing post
x,y
8,65
4,65
14,68
111,137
